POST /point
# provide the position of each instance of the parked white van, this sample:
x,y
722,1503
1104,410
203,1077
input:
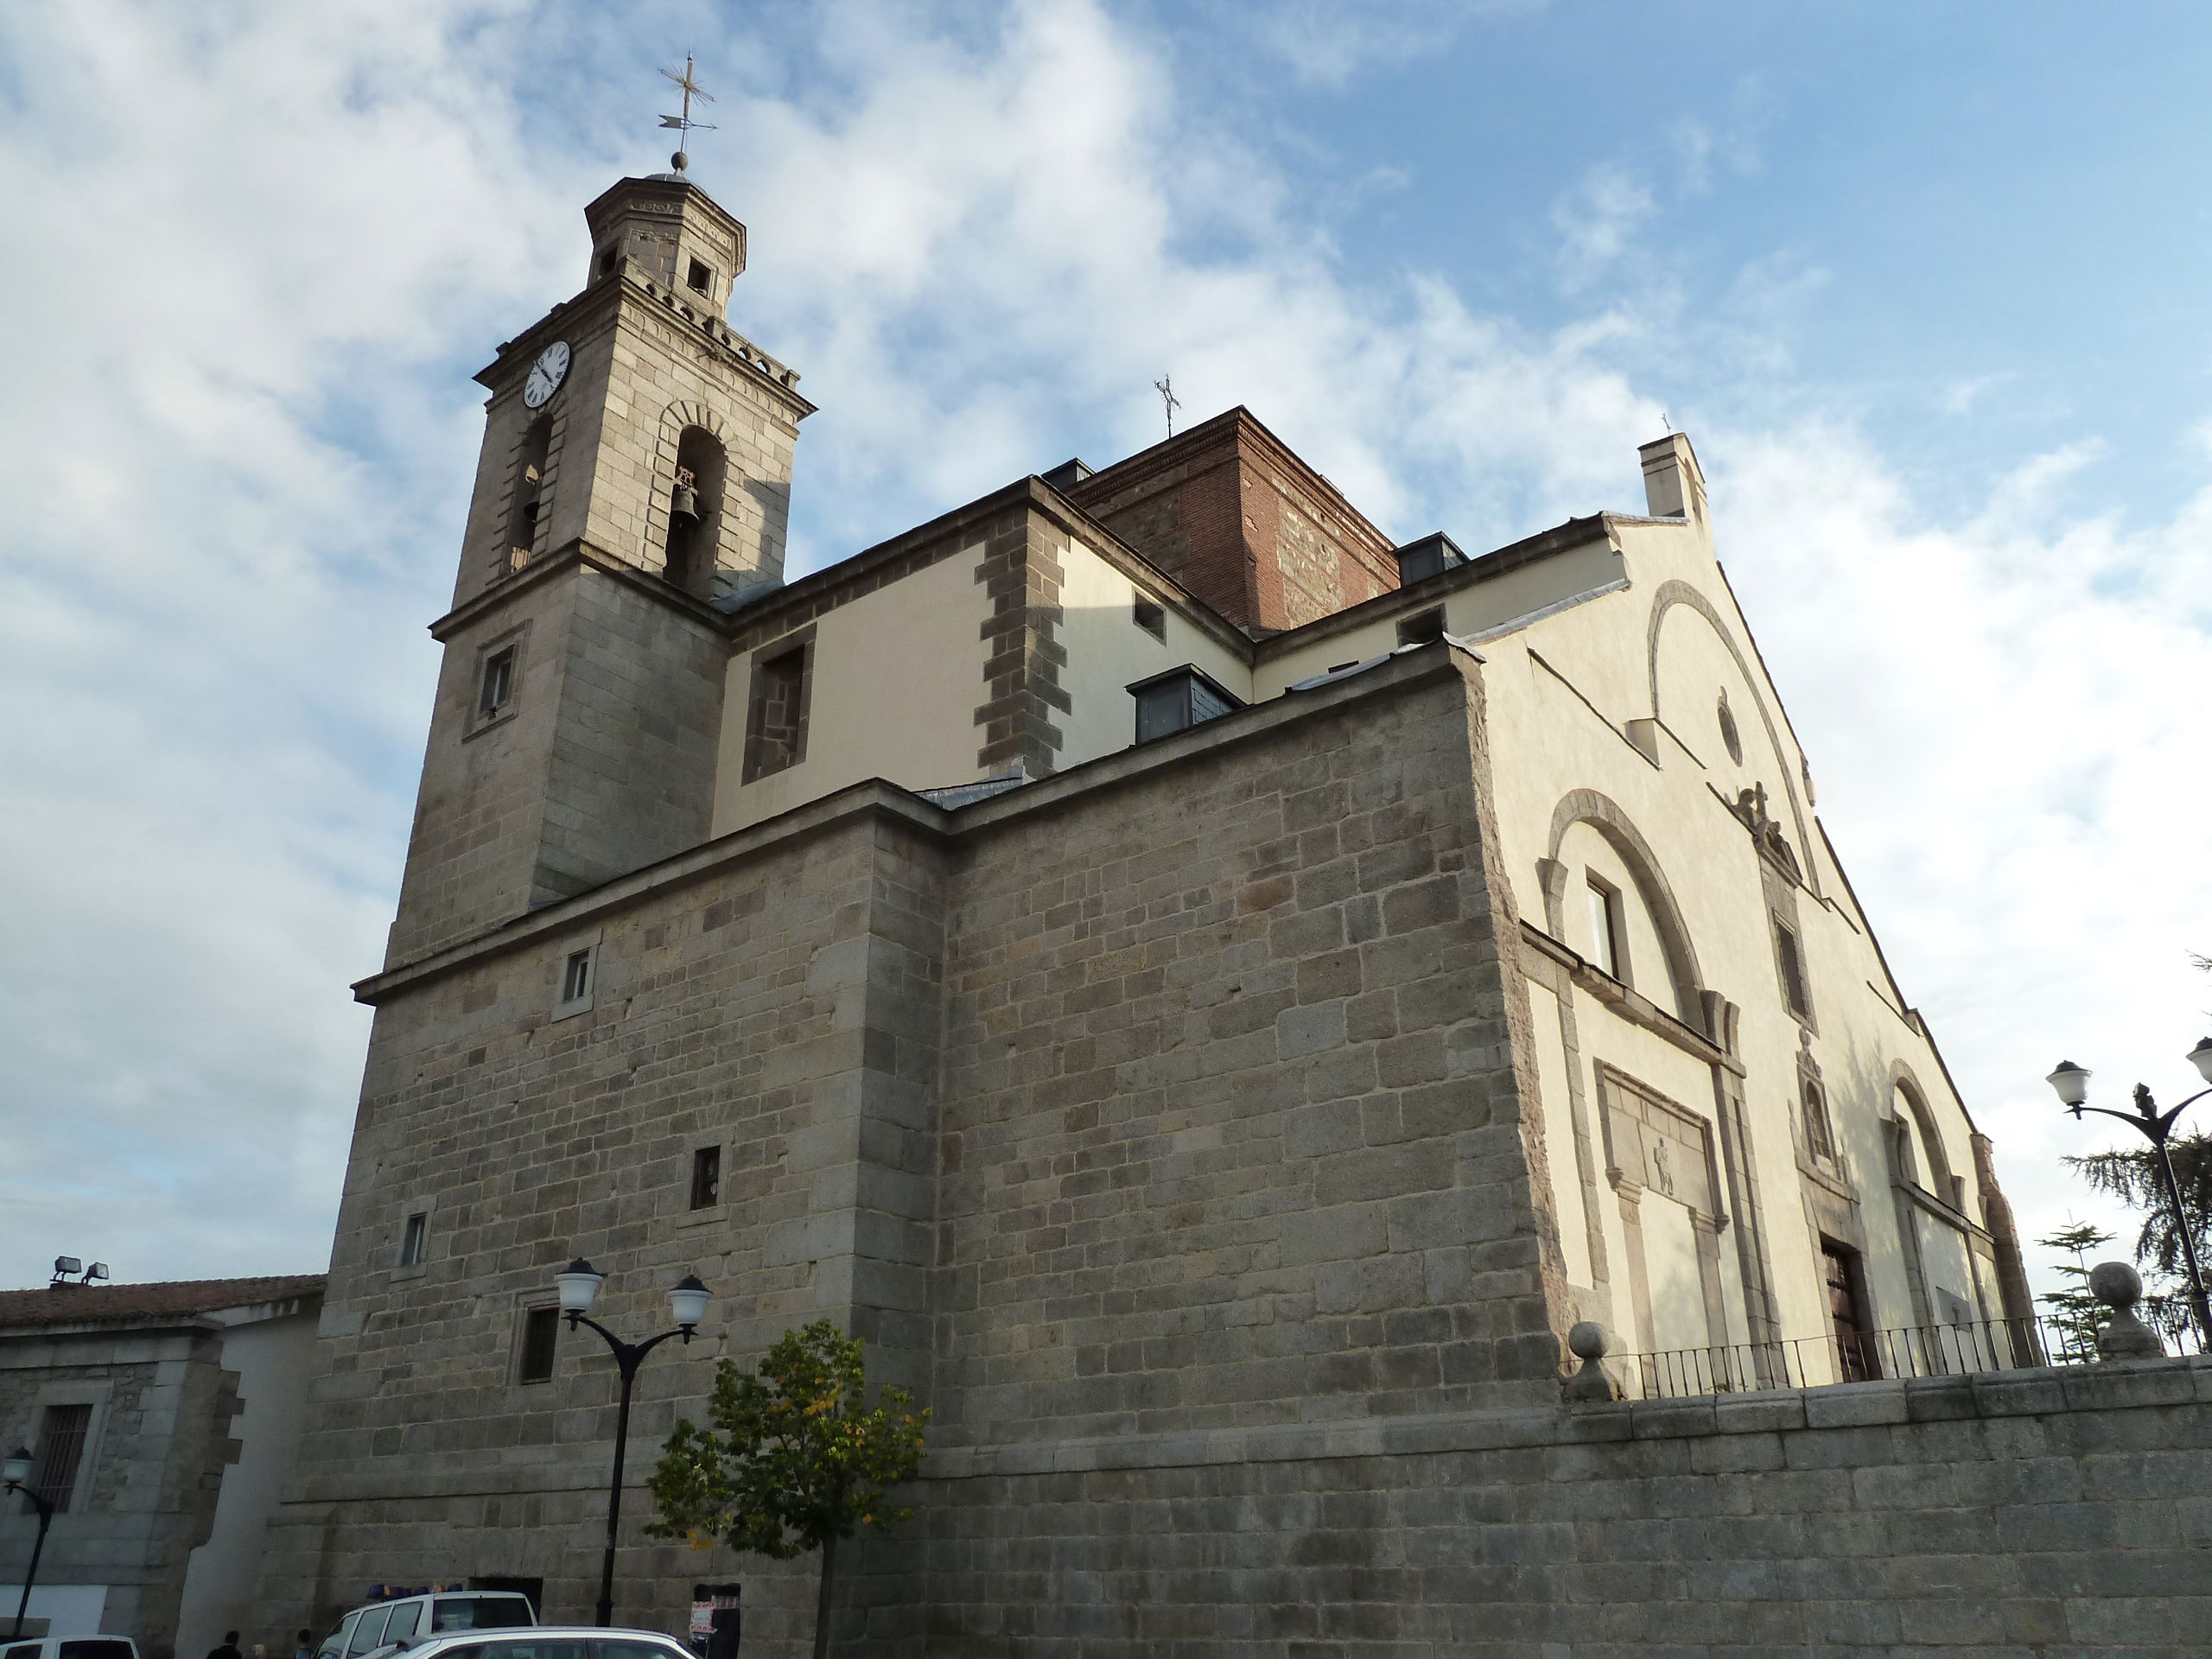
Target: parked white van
x,y
405,1620
70,1646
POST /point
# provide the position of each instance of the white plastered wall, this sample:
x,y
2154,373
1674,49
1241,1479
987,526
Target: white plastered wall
x,y
897,677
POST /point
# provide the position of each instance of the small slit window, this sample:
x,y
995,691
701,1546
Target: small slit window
x,y
1423,627
415,1239
775,731
1791,958
495,684
1149,615
701,275
1176,700
575,977
541,1338
1607,952
706,1178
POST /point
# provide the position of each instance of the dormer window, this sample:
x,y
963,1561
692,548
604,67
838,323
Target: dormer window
x,y
1177,699
1429,556
701,276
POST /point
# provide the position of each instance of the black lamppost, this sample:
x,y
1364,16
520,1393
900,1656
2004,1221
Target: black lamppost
x,y
579,1283
2072,1082
15,1475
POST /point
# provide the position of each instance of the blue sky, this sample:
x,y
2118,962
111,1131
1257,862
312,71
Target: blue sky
x,y
1922,282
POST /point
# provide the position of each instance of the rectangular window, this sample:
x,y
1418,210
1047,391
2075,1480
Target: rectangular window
x,y
1607,954
1150,616
775,731
1175,701
415,1239
496,688
1793,970
541,1335
700,277
1422,628
706,1178
61,1450
575,977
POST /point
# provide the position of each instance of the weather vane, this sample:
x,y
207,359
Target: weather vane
x,y
1166,387
684,123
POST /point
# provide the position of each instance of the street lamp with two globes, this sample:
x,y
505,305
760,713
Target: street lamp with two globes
x,y
2071,1081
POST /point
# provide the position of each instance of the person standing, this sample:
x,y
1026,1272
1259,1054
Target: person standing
x,y
229,1649
304,1649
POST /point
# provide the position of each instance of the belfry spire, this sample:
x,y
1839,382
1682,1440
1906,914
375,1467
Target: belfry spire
x,y
684,123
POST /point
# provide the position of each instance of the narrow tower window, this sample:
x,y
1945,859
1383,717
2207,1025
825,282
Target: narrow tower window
x,y
528,504
496,688
415,1239
706,1178
541,1338
701,276
575,977
695,512
1791,959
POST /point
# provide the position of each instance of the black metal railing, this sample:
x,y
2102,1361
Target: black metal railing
x,y
1906,1351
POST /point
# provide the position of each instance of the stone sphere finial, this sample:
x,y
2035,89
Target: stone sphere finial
x,y
2115,1284
679,161
2124,1336
1588,1341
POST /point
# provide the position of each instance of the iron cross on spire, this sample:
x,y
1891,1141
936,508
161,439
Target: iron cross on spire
x,y
684,123
1166,387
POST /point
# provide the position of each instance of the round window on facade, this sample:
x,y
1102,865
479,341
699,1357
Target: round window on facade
x,y
1729,735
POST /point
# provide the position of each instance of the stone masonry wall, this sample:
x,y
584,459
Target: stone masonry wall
x,y
1230,1126
2025,1515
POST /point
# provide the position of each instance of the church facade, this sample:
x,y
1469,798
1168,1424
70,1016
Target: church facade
x,y
1212,993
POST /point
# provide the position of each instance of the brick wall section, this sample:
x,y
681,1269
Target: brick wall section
x,y
1244,523
1020,572
1998,1517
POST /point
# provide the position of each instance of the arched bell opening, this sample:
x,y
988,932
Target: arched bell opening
x,y
526,504
694,511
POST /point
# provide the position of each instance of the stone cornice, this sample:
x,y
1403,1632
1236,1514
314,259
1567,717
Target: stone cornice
x,y
876,798
578,553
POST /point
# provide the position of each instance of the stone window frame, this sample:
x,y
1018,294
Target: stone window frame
x,y
424,1204
516,639
520,1344
588,946
100,1395
757,759
687,1214
1789,953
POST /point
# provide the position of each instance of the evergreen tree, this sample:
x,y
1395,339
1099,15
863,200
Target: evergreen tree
x,y
2074,1313
793,1461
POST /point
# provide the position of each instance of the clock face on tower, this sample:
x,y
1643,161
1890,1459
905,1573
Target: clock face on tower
x,y
546,375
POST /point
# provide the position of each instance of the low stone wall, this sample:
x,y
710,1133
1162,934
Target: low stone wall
x,y
2009,1514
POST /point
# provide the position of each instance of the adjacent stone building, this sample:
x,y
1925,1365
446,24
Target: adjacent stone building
x,y
1212,992
163,1419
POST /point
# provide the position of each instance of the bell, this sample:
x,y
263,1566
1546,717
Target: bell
x,y
685,504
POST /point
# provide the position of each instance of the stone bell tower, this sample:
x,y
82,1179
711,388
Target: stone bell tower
x,y
635,479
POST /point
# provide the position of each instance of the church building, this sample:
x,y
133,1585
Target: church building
x,y
1212,991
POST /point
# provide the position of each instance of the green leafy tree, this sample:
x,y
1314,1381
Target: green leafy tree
x,y
2074,1313
2131,1175
792,1459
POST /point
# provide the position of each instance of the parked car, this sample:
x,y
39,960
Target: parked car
x,y
71,1647
407,1621
552,1641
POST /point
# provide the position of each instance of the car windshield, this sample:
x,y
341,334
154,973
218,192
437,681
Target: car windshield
x,y
89,1649
479,1612
564,1647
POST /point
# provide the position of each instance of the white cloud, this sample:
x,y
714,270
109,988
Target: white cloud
x,y
252,316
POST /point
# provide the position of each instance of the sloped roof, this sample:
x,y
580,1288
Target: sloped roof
x,y
128,1303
